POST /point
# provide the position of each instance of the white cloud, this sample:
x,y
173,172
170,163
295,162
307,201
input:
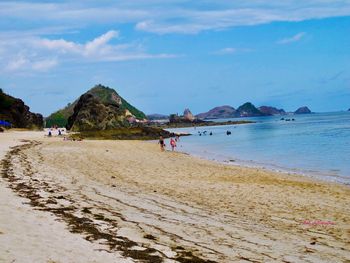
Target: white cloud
x,y
174,16
292,39
16,63
42,54
22,63
44,65
99,43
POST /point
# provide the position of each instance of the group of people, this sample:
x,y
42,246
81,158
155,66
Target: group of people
x,y
173,142
59,132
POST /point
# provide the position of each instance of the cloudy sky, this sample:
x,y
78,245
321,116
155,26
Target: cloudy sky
x,y
165,55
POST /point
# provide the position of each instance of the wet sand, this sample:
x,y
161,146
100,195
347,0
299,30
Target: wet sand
x,y
127,201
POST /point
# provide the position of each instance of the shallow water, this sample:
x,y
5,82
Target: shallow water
x,y
314,144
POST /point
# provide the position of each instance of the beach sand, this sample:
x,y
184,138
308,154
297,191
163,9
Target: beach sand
x,y
124,201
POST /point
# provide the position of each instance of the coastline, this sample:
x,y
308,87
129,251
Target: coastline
x,y
229,160
306,146
172,206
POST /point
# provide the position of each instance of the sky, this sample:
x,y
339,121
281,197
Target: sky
x,y
166,55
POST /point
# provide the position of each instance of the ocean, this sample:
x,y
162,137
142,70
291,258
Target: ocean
x,y
316,145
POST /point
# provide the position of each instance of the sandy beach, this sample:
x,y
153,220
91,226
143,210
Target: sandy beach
x,y
125,201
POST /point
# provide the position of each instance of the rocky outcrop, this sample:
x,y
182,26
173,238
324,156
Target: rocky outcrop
x,y
188,115
268,110
248,110
90,113
220,112
106,96
303,110
15,112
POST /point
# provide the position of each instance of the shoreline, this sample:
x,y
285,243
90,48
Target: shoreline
x,y
172,207
315,175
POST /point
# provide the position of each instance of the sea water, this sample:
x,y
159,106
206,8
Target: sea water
x,y
313,144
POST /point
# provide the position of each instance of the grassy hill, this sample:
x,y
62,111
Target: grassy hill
x,y
105,94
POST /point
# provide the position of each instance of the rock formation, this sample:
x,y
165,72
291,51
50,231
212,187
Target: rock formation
x,y
105,96
101,108
188,115
302,110
15,112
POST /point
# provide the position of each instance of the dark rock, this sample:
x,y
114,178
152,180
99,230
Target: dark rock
x,y
303,110
268,110
15,112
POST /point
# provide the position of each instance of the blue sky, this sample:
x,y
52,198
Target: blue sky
x,y
164,56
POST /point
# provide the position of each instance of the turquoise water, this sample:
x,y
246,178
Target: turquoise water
x,y
314,144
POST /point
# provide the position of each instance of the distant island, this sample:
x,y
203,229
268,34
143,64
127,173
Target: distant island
x,y
303,110
246,110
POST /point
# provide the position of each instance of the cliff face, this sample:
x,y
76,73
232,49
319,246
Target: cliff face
x,y
101,108
104,95
302,110
14,111
268,110
218,113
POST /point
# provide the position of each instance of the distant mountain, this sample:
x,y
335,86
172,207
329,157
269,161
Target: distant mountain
x,y
268,110
15,112
248,110
156,116
98,96
303,110
220,112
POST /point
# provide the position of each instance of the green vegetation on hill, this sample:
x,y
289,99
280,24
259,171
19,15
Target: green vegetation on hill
x,y
127,106
58,118
105,95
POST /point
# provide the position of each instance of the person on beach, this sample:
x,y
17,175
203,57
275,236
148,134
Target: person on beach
x,y
161,143
173,144
50,133
177,138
